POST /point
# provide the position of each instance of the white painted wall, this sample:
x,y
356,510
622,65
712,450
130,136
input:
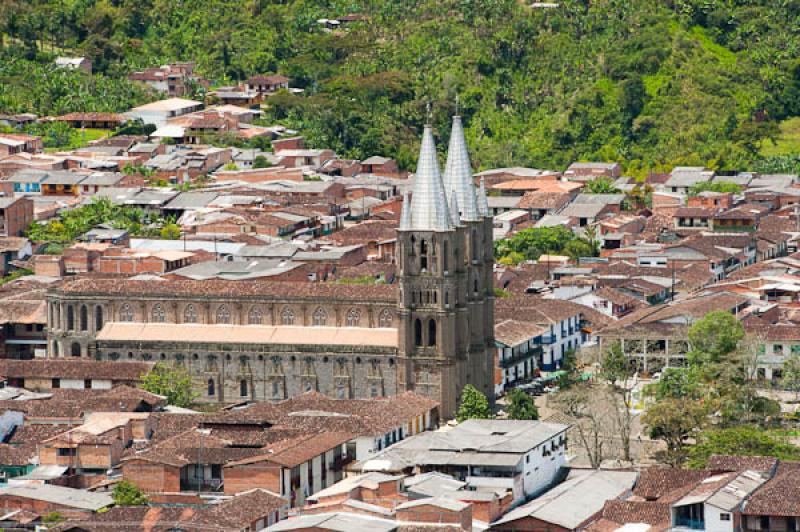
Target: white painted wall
x,y
712,515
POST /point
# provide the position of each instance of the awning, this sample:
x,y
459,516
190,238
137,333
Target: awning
x,y
44,472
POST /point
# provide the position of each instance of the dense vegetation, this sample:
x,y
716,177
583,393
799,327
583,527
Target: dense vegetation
x,y
530,244
70,224
651,83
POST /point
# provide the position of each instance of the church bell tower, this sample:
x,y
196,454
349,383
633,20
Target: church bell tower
x,y
446,298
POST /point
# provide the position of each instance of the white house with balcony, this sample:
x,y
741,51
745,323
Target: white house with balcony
x,y
525,457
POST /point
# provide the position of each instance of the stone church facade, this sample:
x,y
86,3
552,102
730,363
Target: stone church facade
x,y
432,332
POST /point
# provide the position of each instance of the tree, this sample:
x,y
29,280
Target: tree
x,y
619,374
791,375
747,440
588,405
473,405
715,335
673,421
521,406
128,494
600,185
676,383
174,383
533,242
261,162
575,249
714,186
171,232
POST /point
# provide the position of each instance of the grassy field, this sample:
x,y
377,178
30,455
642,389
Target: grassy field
x,y
787,143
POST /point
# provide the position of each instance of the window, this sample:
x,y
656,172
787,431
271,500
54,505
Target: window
x,y
417,332
126,313
75,349
353,317
431,332
777,349
445,256
64,451
423,255
276,389
190,314
55,383
287,316
70,318
254,317
320,317
723,516
98,318
84,318
157,315
223,315
243,388
373,390
385,318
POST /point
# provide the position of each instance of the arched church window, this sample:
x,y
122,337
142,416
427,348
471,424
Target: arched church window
x,y
211,389
84,318
431,332
423,254
417,332
320,317
445,256
353,317
287,316
190,314
243,388
126,313
223,315
75,349
98,318
474,244
254,317
70,318
157,315
385,318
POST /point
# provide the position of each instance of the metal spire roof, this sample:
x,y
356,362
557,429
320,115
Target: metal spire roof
x,y
405,213
483,202
458,173
429,210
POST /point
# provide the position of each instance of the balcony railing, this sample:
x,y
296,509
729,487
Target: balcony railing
x,y
694,524
210,484
515,359
546,339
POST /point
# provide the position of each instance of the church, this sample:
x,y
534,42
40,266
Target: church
x,y
432,332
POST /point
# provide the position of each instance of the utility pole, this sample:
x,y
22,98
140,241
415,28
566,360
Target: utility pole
x,y
672,287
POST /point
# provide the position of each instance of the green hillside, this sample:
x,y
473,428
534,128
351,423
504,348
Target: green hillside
x,y
651,83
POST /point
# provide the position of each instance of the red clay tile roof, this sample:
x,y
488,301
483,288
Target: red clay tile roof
x,y
544,200
74,369
721,462
238,512
624,512
17,455
282,289
139,518
779,496
93,117
656,482
366,232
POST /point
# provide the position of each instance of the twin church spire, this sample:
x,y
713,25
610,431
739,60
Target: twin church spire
x,y
442,203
